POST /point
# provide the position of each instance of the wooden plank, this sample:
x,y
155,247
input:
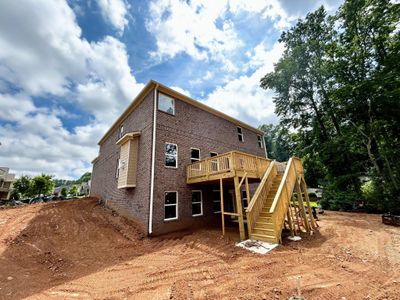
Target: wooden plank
x,y
227,213
239,208
221,191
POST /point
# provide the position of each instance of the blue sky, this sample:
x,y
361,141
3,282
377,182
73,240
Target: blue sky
x,y
69,68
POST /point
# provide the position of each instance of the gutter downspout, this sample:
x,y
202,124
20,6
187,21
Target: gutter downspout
x,y
153,159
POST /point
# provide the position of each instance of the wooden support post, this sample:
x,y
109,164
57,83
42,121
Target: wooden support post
x,y
289,216
304,188
248,202
296,213
239,208
301,206
221,192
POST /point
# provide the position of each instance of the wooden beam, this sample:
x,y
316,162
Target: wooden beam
x,y
239,208
221,192
227,213
301,206
304,187
289,216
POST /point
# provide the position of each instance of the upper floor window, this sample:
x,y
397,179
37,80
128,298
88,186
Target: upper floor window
x,y
121,131
166,104
194,155
240,134
259,139
171,155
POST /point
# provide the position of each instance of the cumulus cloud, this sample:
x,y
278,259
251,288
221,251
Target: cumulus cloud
x,y
242,97
115,12
43,54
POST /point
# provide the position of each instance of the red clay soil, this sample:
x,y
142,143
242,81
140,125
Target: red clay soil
x,y
80,250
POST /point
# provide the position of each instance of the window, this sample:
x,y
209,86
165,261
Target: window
x,y
260,143
245,201
171,206
121,131
216,198
171,155
240,134
166,104
214,163
194,155
117,168
197,203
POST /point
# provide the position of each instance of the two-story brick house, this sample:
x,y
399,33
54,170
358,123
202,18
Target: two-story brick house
x,y
170,162
166,131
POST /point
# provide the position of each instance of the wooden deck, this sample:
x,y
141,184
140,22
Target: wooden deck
x,y
228,165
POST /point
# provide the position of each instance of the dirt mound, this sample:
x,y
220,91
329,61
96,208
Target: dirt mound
x,y
78,249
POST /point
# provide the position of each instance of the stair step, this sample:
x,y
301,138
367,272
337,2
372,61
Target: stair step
x,y
265,214
261,230
261,224
264,237
264,219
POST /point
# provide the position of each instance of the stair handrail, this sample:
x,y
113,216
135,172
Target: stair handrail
x,y
255,205
280,204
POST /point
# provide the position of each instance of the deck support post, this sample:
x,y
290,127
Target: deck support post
x,y
221,192
304,187
239,208
289,216
301,206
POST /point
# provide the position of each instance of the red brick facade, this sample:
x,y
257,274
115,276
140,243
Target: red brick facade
x,y
189,127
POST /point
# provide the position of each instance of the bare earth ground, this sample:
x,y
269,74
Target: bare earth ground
x,y
78,249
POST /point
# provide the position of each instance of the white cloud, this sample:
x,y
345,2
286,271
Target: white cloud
x,y
181,90
42,53
190,27
115,12
243,97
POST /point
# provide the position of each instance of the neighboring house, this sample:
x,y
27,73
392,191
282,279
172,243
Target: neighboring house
x,y
170,162
6,182
84,188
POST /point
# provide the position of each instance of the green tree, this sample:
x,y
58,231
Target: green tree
x,y
64,192
84,178
42,184
279,142
73,190
337,87
23,185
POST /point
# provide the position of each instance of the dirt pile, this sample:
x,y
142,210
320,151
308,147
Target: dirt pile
x,y
78,249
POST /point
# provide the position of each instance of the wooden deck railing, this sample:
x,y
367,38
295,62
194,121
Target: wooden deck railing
x,y
285,190
257,201
228,162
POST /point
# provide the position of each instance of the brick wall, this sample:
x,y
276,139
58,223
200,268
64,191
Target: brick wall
x,y
192,127
133,202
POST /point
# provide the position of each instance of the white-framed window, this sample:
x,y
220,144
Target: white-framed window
x,y
170,205
117,168
240,134
166,104
216,198
214,163
259,139
121,131
171,155
197,203
194,155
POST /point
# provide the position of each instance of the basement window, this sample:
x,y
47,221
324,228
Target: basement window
x,y
171,206
245,201
216,198
197,203
171,155
260,143
240,134
166,104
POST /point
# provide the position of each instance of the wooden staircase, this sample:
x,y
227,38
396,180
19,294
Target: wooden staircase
x,y
264,227
270,206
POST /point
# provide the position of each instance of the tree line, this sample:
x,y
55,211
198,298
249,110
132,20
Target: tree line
x,y
338,100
